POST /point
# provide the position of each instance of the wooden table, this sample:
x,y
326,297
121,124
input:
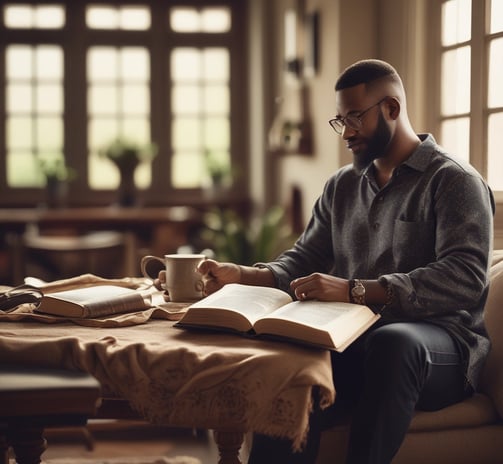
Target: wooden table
x,y
164,228
206,380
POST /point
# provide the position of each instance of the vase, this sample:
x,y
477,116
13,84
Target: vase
x,y
56,193
126,192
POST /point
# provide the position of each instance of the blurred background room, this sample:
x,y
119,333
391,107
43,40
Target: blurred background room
x,y
146,127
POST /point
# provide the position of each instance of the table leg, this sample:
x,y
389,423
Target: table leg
x,y
229,443
28,444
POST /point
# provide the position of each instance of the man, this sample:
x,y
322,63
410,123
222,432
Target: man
x,y
407,230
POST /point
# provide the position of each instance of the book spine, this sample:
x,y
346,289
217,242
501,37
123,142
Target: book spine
x,y
120,304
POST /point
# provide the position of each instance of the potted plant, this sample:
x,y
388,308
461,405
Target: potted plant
x,y
57,175
247,242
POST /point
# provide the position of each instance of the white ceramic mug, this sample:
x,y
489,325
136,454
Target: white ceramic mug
x,y
183,282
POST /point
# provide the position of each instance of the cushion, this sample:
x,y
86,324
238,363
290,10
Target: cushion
x,y
473,412
492,377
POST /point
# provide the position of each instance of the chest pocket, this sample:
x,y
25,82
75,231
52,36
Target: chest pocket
x,y
413,244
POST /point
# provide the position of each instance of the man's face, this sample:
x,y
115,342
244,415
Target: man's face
x,y
371,140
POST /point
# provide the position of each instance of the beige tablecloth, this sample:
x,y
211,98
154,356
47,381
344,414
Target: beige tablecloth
x,y
181,378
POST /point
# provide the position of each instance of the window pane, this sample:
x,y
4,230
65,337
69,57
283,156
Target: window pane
x,y
19,133
102,17
210,20
216,133
186,133
102,99
187,170
185,64
184,20
23,170
101,132
49,17
186,99
215,20
19,98
136,99
137,129
19,62
102,63
456,21
49,134
216,99
455,137
200,90
18,16
496,16
49,99
119,106
456,81
42,17
495,93
34,107
135,18
49,62
134,64
102,173
113,17
216,64
494,144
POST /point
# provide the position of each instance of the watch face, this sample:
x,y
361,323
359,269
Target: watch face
x,y
358,290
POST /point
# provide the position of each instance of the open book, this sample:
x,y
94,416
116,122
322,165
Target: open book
x,y
266,311
94,302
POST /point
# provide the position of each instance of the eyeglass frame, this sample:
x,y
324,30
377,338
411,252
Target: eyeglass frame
x,y
339,122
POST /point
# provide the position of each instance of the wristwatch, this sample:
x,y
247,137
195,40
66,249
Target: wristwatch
x,y
357,292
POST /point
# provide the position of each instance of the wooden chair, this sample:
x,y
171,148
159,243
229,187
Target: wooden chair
x,y
32,399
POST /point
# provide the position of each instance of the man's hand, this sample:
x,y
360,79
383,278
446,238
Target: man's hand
x,y
322,287
216,274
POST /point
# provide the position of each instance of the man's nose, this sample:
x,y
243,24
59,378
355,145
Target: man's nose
x,y
347,132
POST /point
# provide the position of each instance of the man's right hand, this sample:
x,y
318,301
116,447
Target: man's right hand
x,y
216,274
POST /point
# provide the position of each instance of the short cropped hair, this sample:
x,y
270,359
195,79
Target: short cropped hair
x,y
364,72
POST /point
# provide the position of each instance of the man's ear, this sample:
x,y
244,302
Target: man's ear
x,y
392,107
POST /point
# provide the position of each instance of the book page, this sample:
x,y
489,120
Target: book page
x,y
236,306
331,324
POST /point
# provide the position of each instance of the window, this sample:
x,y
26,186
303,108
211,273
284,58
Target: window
x,y
80,74
471,72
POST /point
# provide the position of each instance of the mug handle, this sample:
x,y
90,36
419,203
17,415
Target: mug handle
x,y
151,266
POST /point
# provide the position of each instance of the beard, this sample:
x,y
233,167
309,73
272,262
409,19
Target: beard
x,y
376,146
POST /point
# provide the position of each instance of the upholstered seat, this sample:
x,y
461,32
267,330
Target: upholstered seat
x,y
469,432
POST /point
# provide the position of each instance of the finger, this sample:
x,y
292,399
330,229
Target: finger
x,y
205,267
301,293
211,286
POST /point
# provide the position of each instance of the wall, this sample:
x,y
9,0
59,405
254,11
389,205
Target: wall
x,y
347,32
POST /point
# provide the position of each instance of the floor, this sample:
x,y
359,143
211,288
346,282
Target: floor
x,y
111,439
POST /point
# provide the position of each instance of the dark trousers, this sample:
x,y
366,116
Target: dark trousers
x,y
380,380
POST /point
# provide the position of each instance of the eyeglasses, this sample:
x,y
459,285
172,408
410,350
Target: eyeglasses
x,y
353,121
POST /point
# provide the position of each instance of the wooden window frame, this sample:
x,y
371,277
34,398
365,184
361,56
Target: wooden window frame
x,y
76,38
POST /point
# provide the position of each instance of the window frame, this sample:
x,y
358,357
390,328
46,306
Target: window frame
x,y
75,39
479,110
